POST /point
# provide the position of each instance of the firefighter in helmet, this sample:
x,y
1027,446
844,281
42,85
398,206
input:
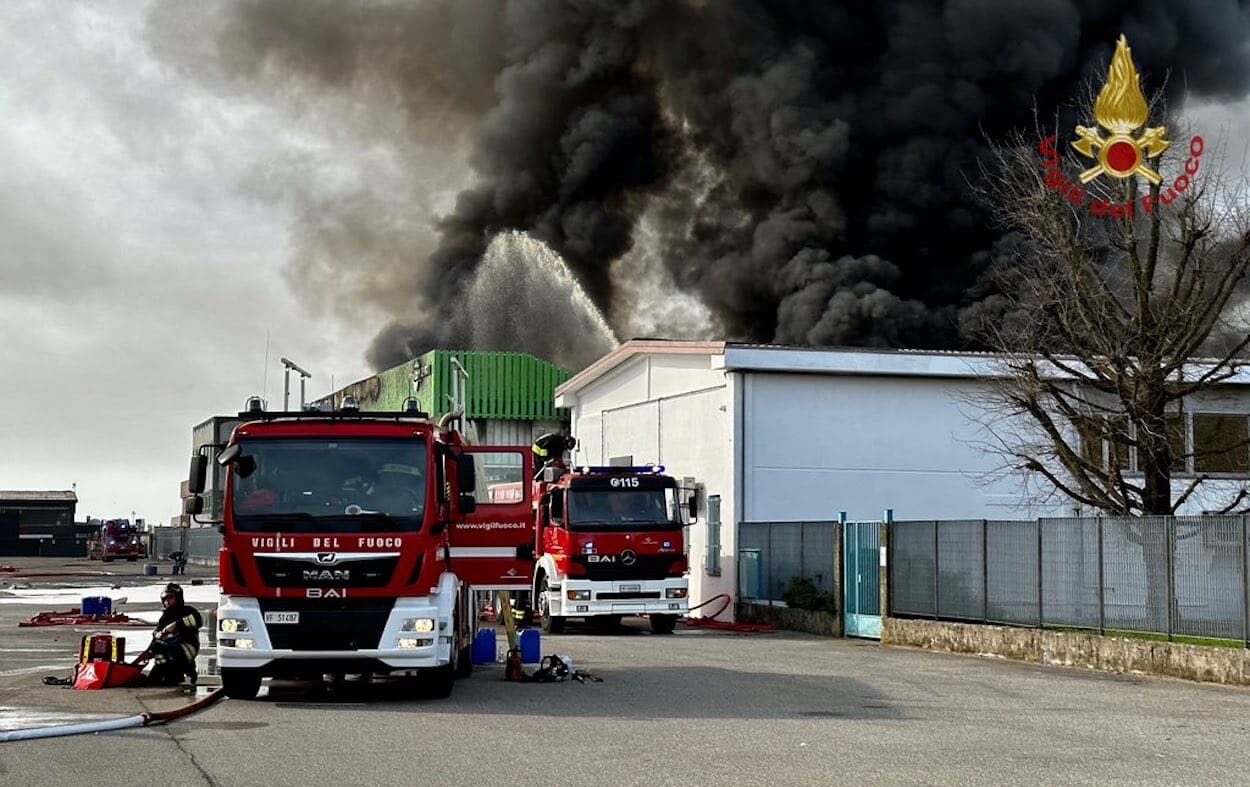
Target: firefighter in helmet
x,y
550,449
176,641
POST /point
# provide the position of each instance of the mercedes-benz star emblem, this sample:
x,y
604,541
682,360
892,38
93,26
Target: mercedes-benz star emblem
x,y
628,558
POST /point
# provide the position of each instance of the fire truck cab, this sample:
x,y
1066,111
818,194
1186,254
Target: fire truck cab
x,y
609,542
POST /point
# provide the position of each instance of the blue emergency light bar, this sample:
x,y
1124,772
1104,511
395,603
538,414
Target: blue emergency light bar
x,y
619,470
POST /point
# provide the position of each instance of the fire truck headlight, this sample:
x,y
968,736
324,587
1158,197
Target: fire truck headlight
x,y
242,644
579,595
675,593
231,625
409,643
423,625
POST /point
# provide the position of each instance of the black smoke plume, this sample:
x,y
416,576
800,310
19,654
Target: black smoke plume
x,y
805,165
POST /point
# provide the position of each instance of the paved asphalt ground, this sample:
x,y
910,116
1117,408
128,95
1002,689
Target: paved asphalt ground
x,y
695,708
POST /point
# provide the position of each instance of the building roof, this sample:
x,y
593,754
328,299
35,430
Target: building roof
x,y
749,357
858,361
633,348
27,496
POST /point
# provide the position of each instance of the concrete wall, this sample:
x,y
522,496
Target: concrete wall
x,y
820,444
1192,662
817,444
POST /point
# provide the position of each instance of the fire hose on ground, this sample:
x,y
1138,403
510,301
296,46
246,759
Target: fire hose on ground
x,y
107,725
710,622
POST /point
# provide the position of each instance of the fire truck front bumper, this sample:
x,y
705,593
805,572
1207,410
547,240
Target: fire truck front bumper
x,y
413,635
581,597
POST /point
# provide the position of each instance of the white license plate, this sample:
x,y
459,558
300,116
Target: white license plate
x,y
630,588
282,617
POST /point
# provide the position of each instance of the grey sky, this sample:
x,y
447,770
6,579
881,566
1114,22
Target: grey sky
x,y
142,260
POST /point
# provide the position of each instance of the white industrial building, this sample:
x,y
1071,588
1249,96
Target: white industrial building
x,y
789,434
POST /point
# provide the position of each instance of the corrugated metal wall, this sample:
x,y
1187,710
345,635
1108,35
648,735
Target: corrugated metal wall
x,y
511,396
508,432
512,386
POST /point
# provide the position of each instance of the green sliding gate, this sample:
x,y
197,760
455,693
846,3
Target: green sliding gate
x,y
861,550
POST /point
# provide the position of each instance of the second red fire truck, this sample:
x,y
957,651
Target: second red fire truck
x,y
608,543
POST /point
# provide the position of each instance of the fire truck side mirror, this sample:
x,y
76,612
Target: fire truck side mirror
x,y
193,506
557,507
692,506
198,475
467,471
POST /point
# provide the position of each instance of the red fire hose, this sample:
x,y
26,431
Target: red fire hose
x,y
74,617
709,622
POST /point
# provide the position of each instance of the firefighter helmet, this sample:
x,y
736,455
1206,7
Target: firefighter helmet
x,y
172,589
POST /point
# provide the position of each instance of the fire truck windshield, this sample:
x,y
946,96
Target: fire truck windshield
x,y
339,485
633,509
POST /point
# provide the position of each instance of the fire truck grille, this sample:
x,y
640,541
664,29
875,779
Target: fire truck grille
x,y
329,625
644,567
279,572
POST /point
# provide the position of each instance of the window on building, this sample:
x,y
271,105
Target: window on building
x,y
712,564
1220,444
1176,441
1091,440
1098,444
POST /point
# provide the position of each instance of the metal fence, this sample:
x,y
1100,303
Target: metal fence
x,y
1178,576
199,543
772,554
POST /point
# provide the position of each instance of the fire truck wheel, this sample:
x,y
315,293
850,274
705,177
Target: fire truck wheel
x,y
240,684
437,683
663,624
464,659
552,624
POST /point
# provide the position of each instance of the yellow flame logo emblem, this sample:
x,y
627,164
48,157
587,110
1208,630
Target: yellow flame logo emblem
x,y
1121,109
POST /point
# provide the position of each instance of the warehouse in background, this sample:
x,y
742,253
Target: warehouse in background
x,y
799,434
41,523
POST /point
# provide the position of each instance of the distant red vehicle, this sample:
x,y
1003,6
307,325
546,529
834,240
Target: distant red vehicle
x,y
116,538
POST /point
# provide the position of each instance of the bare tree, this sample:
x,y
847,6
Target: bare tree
x,y
1117,298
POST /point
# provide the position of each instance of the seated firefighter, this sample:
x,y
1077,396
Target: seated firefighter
x,y
176,641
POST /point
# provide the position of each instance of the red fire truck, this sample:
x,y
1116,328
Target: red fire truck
x,y
340,548
116,538
609,543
